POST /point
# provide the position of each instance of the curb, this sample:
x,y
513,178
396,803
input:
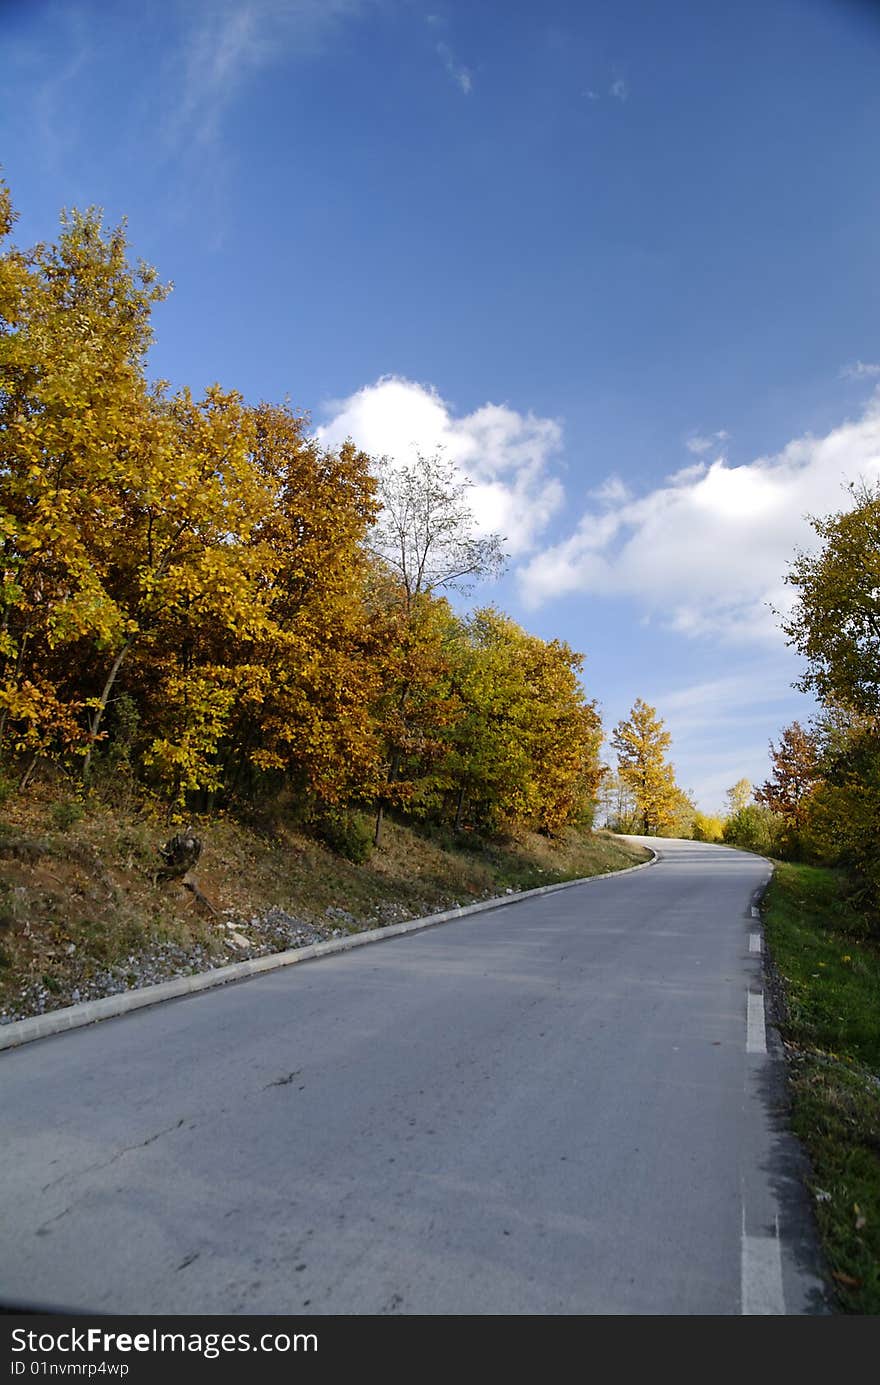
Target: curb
x,y
108,1007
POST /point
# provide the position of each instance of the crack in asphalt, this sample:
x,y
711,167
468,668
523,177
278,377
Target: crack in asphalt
x,y
283,1081
127,1149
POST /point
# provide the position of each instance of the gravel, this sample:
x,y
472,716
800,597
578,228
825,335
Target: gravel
x,y
241,939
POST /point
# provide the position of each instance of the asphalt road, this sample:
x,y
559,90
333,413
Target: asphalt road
x,y
560,1107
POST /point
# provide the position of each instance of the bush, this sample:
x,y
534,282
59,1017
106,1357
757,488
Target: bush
x,y
840,826
347,833
755,828
707,828
65,813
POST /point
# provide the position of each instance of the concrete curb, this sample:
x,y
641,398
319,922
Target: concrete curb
x,y
108,1007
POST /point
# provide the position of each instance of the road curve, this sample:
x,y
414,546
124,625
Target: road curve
x,y
562,1107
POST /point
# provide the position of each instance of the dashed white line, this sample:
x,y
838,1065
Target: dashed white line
x,y
754,942
761,1276
756,913
756,1033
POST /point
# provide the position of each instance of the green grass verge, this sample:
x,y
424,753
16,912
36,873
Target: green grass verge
x,y
829,972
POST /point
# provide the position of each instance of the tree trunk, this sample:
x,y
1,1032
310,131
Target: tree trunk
x,y
380,809
28,774
98,715
459,811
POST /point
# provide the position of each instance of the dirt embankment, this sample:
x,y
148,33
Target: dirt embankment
x,y
84,911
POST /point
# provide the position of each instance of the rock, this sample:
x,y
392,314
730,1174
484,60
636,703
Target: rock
x,y
238,939
342,914
180,854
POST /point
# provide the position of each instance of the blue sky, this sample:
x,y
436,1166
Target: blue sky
x,y
619,259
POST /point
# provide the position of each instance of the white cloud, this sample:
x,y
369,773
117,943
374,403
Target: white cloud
x,y
861,370
612,491
699,443
52,82
619,89
227,42
504,453
708,550
457,71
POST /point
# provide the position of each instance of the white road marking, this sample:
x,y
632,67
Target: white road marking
x,y
761,1276
756,913
754,942
756,1034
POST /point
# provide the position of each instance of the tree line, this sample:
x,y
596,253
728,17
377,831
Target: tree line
x,y
821,801
196,595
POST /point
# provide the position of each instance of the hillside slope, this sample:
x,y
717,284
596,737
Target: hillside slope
x,y
82,914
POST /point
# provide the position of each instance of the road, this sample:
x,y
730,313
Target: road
x,y
560,1107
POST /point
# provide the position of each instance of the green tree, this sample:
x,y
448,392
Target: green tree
x,y
835,623
754,828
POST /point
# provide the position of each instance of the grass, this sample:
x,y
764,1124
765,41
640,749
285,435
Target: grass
x,y
829,970
81,914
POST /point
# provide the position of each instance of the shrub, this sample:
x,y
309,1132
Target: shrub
x,y
755,829
65,813
348,833
707,828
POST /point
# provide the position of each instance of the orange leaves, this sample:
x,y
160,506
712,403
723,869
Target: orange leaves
x,y
237,582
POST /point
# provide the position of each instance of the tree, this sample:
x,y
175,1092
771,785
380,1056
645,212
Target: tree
x,y
738,796
426,538
707,828
641,743
306,695
617,803
76,418
796,773
426,531
835,624
754,828
682,815
487,767
842,813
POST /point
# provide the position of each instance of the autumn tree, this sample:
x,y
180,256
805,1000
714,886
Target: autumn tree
x,y
617,803
198,578
74,407
682,815
641,742
305,694
707,827
738,796
426,537
795,774
563,736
